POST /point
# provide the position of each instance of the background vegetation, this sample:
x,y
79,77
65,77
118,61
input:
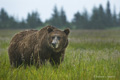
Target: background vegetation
x,y
91,55
99,19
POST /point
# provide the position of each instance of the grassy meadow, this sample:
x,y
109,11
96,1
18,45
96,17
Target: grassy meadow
x,y
91,55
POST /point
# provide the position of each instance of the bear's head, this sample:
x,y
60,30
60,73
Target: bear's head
x,y
57,39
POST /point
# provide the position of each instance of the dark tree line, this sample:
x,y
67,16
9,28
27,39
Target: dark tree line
x,y
9,22
58,19
100,19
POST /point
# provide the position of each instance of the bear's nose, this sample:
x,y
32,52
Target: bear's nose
x,y
54,44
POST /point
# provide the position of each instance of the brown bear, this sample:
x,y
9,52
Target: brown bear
x,y
36,46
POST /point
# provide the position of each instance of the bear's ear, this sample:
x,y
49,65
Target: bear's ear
x,y
49,29
67,31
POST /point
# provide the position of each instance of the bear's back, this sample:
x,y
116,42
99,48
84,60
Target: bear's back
x,y
21,35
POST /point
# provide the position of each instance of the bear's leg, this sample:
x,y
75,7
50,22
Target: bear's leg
x,y
38,62
15,62
56,60
14,57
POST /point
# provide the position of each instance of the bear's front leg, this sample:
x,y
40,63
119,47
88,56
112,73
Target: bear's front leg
x,y
56,59
39,62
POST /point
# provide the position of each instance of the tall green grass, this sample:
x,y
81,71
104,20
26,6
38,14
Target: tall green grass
x,y
91,55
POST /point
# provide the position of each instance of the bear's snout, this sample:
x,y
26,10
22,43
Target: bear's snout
x,y
55,42
54,45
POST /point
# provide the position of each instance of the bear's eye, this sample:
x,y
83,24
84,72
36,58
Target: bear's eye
x,y
59,38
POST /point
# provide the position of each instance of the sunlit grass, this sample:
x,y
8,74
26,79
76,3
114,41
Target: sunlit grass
x,y
91,55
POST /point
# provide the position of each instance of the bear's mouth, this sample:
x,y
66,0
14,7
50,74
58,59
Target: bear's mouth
x,y
54,46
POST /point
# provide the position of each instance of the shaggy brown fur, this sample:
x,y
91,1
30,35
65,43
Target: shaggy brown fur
x,y
34,47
